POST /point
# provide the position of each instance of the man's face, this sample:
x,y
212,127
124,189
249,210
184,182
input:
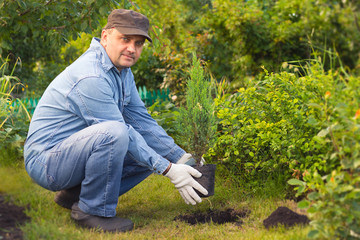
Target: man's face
x,y
123,50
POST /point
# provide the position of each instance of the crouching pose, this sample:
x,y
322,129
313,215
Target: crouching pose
x,y
91,137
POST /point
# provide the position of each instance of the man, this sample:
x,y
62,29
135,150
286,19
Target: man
x,y
91,137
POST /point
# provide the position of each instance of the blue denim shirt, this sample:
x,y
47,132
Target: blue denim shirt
x,y
90,91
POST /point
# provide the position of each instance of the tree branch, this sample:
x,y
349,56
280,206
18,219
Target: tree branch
x,y
355,16
54,28
31,10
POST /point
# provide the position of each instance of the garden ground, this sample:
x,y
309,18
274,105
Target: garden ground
x,y
11,216
152,205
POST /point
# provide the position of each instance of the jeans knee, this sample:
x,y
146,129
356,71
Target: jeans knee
x,y
118,131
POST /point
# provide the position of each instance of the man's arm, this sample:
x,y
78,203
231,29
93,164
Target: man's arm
x,y
136,114
92,99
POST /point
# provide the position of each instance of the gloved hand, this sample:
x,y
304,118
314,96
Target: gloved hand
x,y
181,176
188,159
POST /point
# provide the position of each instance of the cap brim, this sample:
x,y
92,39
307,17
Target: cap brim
x,y
133,31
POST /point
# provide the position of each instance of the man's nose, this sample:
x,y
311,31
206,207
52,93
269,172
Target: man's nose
x,y
131,47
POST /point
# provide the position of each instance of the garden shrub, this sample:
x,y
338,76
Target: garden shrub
x,y
333,203
271,127
14,120
165,114
307,126
333,200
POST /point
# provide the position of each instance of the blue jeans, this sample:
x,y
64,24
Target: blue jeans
x,y
95,157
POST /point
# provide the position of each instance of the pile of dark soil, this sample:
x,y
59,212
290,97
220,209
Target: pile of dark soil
x,y
218,217
286,217
11,216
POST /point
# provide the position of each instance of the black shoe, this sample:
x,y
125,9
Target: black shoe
x,y
107,224
66,198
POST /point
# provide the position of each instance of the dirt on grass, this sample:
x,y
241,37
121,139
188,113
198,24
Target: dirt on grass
x,y
11,217
285,216
215,216
281,216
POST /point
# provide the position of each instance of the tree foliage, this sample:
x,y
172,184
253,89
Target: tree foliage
x,y
241,36
35,30
236,38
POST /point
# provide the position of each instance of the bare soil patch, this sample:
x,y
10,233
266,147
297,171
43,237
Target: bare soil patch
x,y
281,216
215,216
11,216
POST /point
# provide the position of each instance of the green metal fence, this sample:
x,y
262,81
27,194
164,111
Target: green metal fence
x,y
148,97
30,104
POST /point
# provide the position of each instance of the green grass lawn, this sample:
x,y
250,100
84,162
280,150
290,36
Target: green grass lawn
x,y
152,205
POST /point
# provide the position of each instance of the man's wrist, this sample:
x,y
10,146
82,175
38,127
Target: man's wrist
x,y
167,169
184,158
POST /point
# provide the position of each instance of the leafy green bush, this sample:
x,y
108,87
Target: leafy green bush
x,y
14,120
149,71
333,203
333,199
165,113
272,127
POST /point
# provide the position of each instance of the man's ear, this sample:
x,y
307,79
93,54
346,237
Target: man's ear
x,y
104,36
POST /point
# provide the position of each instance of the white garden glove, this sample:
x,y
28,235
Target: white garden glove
x,y
188,159
181,176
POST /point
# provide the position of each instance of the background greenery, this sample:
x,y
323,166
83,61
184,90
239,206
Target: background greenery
x,y
236,38
287,92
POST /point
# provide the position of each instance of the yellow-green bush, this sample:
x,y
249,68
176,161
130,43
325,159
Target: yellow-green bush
x,y
276,125
333,202
305,127
14,119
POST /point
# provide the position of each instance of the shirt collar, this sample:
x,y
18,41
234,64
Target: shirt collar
x,y
104,58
